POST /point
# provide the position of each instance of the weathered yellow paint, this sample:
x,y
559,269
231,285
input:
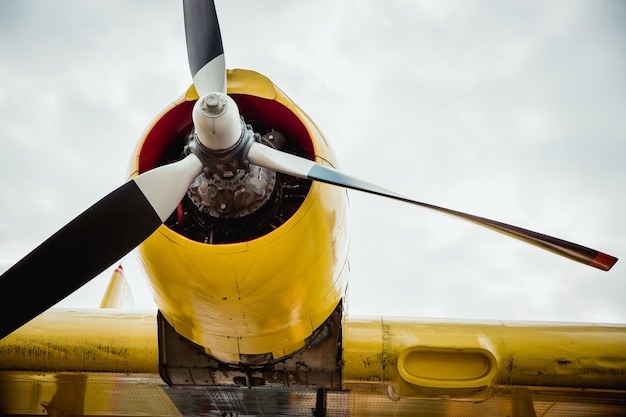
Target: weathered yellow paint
x,y
241,298
105,362
589,356
458,359
98,340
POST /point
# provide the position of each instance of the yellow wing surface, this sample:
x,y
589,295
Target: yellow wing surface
x,y
105,362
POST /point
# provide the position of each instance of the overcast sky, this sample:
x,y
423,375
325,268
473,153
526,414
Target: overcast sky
x,y
508,110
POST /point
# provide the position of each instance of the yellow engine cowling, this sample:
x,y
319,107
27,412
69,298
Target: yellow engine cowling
x,y
238,299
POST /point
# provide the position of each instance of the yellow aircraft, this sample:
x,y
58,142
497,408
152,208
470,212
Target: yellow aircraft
x,y
240,217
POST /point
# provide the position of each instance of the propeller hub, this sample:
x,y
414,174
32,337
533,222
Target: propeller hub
x,y
229,186
218,124
213,104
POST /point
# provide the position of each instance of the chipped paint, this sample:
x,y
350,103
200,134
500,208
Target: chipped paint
x,y
83,340
584,356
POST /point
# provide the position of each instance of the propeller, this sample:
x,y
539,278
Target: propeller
x,y
116,224
217,109
120,221
93,241
303,168
206,61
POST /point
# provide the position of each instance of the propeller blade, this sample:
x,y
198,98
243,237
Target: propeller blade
x,y
303,168
90,243
204,46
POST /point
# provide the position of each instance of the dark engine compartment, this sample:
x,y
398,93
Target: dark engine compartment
x,y
275,126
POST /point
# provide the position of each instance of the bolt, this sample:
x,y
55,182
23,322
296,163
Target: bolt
x,y
213,104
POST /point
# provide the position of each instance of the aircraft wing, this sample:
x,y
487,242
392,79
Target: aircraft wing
x,y
105,362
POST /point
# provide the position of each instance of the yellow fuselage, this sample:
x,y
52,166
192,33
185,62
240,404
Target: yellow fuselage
x,y
264,295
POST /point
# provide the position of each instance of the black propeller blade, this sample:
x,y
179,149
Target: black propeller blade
x,y
119,222
304,168
204,46
91,242
123,219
